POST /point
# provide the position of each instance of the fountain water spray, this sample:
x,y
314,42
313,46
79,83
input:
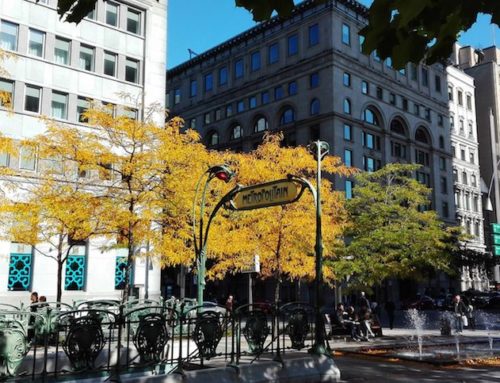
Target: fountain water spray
x,y
417,321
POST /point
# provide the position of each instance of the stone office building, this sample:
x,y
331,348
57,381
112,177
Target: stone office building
x,y
120,47
306,76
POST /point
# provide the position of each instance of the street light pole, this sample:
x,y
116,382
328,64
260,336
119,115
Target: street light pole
x,y
221,172
320,150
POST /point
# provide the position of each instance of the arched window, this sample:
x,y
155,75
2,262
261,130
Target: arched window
x,y
236,132
213,138
347,106
398,127
260,125
422,136
314,109
288,116
370,116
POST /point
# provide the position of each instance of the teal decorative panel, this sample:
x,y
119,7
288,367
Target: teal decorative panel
x,y
75,272
20,272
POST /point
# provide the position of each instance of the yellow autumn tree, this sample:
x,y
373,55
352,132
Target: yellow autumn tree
x,y
52,212
143,173
283,236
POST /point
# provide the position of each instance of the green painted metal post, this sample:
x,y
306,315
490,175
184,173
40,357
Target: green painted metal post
x,y
320,150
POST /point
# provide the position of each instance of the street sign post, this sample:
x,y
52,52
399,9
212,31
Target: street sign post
x,y
268,194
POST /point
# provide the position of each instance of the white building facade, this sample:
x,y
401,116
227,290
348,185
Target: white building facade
x,y
119,48
466,174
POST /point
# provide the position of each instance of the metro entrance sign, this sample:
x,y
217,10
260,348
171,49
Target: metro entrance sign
x,y
268,194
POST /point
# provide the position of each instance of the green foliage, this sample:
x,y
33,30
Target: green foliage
x,y
409,31
390,234
263,9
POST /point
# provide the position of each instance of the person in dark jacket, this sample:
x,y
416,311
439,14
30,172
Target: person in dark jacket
x,y
460,310
390,307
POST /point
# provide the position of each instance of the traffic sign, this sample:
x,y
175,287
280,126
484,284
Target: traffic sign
x,y
268,194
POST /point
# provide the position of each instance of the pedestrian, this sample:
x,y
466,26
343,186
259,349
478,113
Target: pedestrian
x,y
390,307
33,309
460,314
364,303
43,301
229,304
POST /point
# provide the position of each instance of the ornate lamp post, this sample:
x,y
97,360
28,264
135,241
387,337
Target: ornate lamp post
x,y
319,149
221,172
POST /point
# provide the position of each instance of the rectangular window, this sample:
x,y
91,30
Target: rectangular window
x,y
437,83
223,75
4,159
110,60
20,267
422,157
92,14
207,118
462,154
413,72
111,13
424,178
27,159
240,106
425,77
32,99
361,42
255,61
416,109
347,132
131,70
292,88
218,114
445,209
87,58
278,93
380,93
460,98
177,96
313,35
252,102
133,21
405,104
274,53
368,140
368,164
469,102
8,36
238,68
7,89
472,157
264,97
62,51
346,34
444,185
36,42
193,88
475,204
314,80
398,150
121,267
229,110
427,114
348,189
440,120
392,98
450,93
209,82
442,163
293,45
59,105
82,105
364,87
347,157
192,123
74,276
346,79
473,180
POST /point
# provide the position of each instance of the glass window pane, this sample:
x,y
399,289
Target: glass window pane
x,y
313,35
293,45
36,43
223,76
274,53
132,71
6,88
111,14
238,68
4,159
81,106
346,34
109,64
59,105
87,58
32,99
133,21
27,159
8,36
20,267
61,51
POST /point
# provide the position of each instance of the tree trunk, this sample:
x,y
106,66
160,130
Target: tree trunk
x,y
128,270
60,263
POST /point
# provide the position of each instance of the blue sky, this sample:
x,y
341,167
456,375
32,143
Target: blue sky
x,y
200,25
